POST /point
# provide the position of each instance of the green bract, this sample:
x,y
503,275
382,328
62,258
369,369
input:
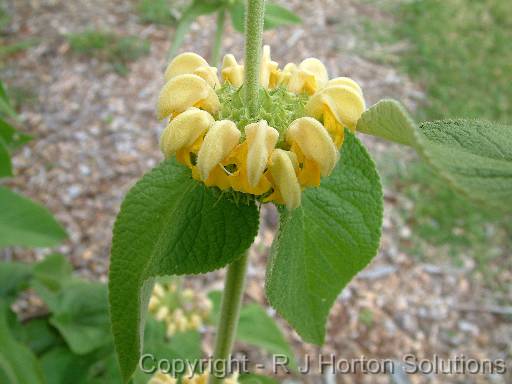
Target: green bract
x,y
278,107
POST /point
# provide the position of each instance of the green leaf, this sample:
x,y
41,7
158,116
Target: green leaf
x,y
325,242
475,157
5,160
259,329
61,366
5,105
237,14
256,328
196,9
14,278
81,316
26,223
12,137
18,365
53,272
169,224
39,335
252,378
276,16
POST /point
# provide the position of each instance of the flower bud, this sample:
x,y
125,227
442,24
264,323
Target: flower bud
x,y
191,63
232,72
185,91
219,141
184,130
282,168
314,142
261,140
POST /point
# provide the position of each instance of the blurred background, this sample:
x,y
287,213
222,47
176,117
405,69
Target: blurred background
x,y
83,77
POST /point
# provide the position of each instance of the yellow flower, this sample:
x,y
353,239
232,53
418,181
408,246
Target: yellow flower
x,y
290,145
162,378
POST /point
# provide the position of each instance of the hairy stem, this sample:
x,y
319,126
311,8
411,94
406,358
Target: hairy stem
x,y
253,37
219,33
230,310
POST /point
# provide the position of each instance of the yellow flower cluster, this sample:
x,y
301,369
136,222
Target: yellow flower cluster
x,y
251,156
202,378
180,310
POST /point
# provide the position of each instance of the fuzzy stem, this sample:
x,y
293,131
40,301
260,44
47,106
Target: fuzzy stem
x,y
230,311
253,38
217,42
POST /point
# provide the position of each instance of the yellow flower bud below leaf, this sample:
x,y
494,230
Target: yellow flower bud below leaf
x,y
220,140
185,91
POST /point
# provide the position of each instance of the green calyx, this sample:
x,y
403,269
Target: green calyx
x,y
277,106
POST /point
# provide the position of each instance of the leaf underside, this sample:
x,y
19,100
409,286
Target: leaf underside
x,y
324,243
474,156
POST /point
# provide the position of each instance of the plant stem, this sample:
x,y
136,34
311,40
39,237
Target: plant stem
x,y
235,278
253,37
217,43
230,310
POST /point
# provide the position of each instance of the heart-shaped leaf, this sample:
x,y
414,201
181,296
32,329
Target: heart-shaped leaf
x,y
325,242
169,224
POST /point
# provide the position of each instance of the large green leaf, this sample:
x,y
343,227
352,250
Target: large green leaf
x,y
322,244
81,315
18,365
26,223
475,157
169,224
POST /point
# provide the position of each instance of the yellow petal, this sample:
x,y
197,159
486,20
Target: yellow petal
x,y
282,167
347,81
184,130
314,142
344,103
219,141
191,63
232,72
185,91
317,69
268,69
261,140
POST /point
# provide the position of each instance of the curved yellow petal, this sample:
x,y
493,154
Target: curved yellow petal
x,y
314,141
261,140
232,72
184,130
220,140
268,69
347,81
282,168
185,91
345,104
191,63
316,68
